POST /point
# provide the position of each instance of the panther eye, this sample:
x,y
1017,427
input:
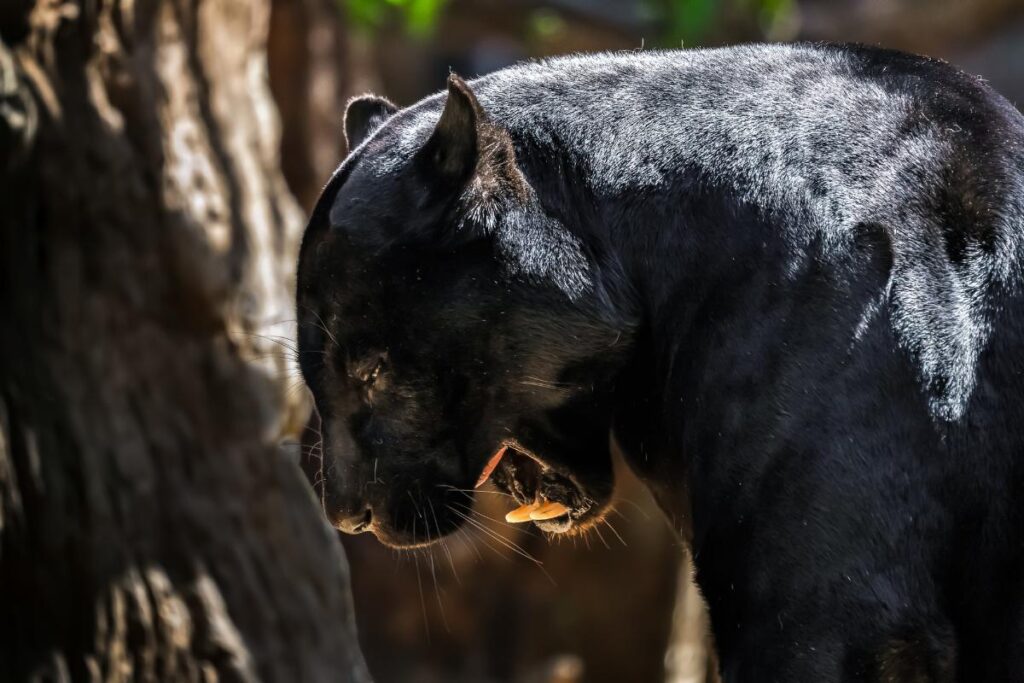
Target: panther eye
x,y
375,373
369,373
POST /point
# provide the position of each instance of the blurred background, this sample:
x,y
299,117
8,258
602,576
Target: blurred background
x,y
502,603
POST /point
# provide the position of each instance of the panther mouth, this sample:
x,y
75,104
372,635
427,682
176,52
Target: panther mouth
x,y
550,499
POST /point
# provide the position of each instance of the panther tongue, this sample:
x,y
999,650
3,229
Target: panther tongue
x,y
489,467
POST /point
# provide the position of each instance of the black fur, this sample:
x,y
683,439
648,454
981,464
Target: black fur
x,y
786,279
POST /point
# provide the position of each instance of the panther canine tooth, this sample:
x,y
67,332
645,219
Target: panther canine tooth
x,y
523,513
548,510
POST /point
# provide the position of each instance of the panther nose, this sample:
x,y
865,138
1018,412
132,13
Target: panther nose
x,y
353,523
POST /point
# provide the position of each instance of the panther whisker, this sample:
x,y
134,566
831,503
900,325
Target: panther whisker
x,y
637,506
616,532
323,326
437,593
468,492
511,545
416,508
515,527
490,547
419,583
444,543
545,384
297,384
466,538
274,339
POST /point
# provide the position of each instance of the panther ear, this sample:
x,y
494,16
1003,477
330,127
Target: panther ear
x,y
364,115
466,146
453,149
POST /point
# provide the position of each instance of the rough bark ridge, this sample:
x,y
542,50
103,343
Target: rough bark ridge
x,y
149,528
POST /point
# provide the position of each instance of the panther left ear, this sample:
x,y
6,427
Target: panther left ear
x,y
452,151
364,115
466,146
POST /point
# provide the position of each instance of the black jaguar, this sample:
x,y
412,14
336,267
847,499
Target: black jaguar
x,y
785,280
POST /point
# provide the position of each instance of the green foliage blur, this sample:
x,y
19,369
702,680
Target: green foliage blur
x,y
676,22
419,16
688,22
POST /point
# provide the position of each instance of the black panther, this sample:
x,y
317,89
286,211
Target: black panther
x,y
784,280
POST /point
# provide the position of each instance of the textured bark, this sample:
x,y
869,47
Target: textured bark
x,y
149,527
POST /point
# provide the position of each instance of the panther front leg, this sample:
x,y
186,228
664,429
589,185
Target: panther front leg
x,y
924,655
852,627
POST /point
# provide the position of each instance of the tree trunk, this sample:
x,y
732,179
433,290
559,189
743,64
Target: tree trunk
x,y
150,529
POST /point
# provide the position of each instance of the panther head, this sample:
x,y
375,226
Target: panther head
x,y
453,328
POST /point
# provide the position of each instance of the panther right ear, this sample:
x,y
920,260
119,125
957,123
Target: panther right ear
x,y
364,115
